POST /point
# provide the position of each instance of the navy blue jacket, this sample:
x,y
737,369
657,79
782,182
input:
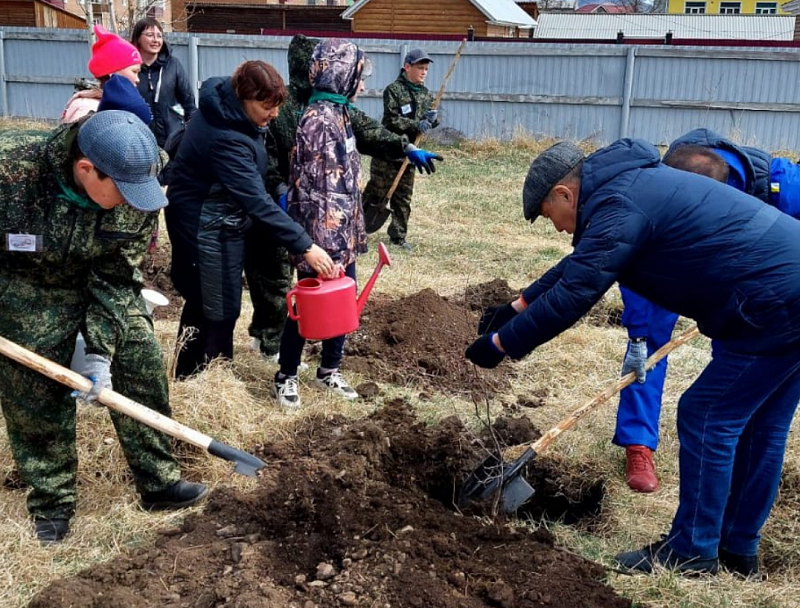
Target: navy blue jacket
x,y
216,193
688,243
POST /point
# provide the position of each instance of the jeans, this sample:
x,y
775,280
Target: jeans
x,y
292,342
733,423
640,404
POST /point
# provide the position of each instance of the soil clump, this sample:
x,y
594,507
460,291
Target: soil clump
x,y
421,338
348,513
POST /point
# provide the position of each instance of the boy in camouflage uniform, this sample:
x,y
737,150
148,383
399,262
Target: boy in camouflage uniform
x,y
70,261
407,111
269,274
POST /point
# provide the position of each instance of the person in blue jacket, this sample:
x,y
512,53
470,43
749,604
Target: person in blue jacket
x,y
775,181
710,253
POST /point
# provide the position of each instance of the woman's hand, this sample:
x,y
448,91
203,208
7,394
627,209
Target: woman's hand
x,y
321,262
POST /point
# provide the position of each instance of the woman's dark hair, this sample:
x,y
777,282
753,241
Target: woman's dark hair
x,y
259,81
141,26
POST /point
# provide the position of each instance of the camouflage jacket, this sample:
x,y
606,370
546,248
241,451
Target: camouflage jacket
x,y
404,106
372,138
325,172
55,240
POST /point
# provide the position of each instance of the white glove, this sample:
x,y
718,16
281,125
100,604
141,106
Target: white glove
x,y
636,359
98,370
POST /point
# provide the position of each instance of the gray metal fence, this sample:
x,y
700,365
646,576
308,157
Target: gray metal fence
x,y
597,92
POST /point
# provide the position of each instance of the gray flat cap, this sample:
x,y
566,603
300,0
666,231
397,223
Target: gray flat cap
x,y
547,169
417,55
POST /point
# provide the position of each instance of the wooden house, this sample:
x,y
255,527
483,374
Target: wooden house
x,y
487,18
36,13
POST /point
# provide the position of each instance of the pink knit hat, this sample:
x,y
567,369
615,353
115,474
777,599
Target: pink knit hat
x,y
111,53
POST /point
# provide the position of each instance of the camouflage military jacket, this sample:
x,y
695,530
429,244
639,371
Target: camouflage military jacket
x,y
404,105
55,241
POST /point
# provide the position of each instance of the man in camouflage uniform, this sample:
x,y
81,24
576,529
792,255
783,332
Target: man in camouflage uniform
x,y
70,261
406,111
268,272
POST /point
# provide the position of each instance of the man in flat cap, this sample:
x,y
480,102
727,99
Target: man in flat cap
x,y
406,111
703,250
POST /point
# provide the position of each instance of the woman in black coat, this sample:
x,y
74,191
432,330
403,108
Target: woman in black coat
x,y
216,194
162,82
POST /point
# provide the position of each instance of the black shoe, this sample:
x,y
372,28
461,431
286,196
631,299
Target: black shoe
x,y
745,566
51,531
179,495
660,553
403,244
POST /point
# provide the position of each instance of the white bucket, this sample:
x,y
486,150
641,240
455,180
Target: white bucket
x,y
153,298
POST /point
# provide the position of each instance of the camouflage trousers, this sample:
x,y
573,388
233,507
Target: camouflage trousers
x,y
269,278
40,414
381,176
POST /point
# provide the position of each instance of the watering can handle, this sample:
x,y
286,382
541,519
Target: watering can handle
x,y
290,304
340,274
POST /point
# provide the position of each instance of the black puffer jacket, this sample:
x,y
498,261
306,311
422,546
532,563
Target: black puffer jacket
x,y
216,193
167,90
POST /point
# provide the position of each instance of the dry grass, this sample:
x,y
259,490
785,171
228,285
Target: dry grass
x,y
467,227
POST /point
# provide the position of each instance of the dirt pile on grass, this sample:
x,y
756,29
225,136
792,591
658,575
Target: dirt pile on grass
x,y
421,338
347,514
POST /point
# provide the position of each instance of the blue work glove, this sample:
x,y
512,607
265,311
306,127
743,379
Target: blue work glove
x,y
636,359
484,353
431,115
282,202
98,370
422,159
494,317
423,126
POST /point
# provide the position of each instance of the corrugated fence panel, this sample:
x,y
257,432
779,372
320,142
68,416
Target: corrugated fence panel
x,y
497,90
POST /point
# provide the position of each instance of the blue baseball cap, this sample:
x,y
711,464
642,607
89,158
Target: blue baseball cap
x,y
736,174
120,145
417,55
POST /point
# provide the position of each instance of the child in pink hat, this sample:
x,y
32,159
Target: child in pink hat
x,y
110,55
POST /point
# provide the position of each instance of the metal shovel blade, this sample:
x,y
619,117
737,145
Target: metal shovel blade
x,y
375,216
516,493
244,463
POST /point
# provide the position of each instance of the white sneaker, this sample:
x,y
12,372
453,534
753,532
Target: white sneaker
x,y
276,358
285,391
336,383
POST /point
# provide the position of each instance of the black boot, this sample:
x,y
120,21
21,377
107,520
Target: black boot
x,y
179,495
51,531
660,553
745,566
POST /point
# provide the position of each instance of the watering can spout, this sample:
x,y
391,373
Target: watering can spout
x,y
383,260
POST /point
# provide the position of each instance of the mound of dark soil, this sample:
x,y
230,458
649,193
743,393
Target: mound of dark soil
x,y
421,339
347,514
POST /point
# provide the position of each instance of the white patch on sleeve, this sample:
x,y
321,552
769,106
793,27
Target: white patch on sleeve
x,y
22,242
406,109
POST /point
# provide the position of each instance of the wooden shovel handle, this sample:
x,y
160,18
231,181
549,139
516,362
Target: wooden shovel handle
x,y
572,419
107,397
434,106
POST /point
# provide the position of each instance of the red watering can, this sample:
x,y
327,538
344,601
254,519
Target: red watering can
x,y
328,308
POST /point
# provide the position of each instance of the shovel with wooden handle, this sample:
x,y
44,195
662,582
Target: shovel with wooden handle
x,y
496,475
245,464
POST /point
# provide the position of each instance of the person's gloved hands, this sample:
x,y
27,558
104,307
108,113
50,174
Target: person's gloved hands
x,y
282,202
484,353
423,126
422,159
494,317
431,115
98,370
635,359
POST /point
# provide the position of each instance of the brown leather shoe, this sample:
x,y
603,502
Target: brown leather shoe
x,y
640,472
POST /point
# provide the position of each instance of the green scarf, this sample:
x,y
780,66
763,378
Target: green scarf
x,y
414,87
332,97
69,195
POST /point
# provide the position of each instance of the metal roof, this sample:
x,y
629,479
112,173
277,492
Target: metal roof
x,y
597,26
500,12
